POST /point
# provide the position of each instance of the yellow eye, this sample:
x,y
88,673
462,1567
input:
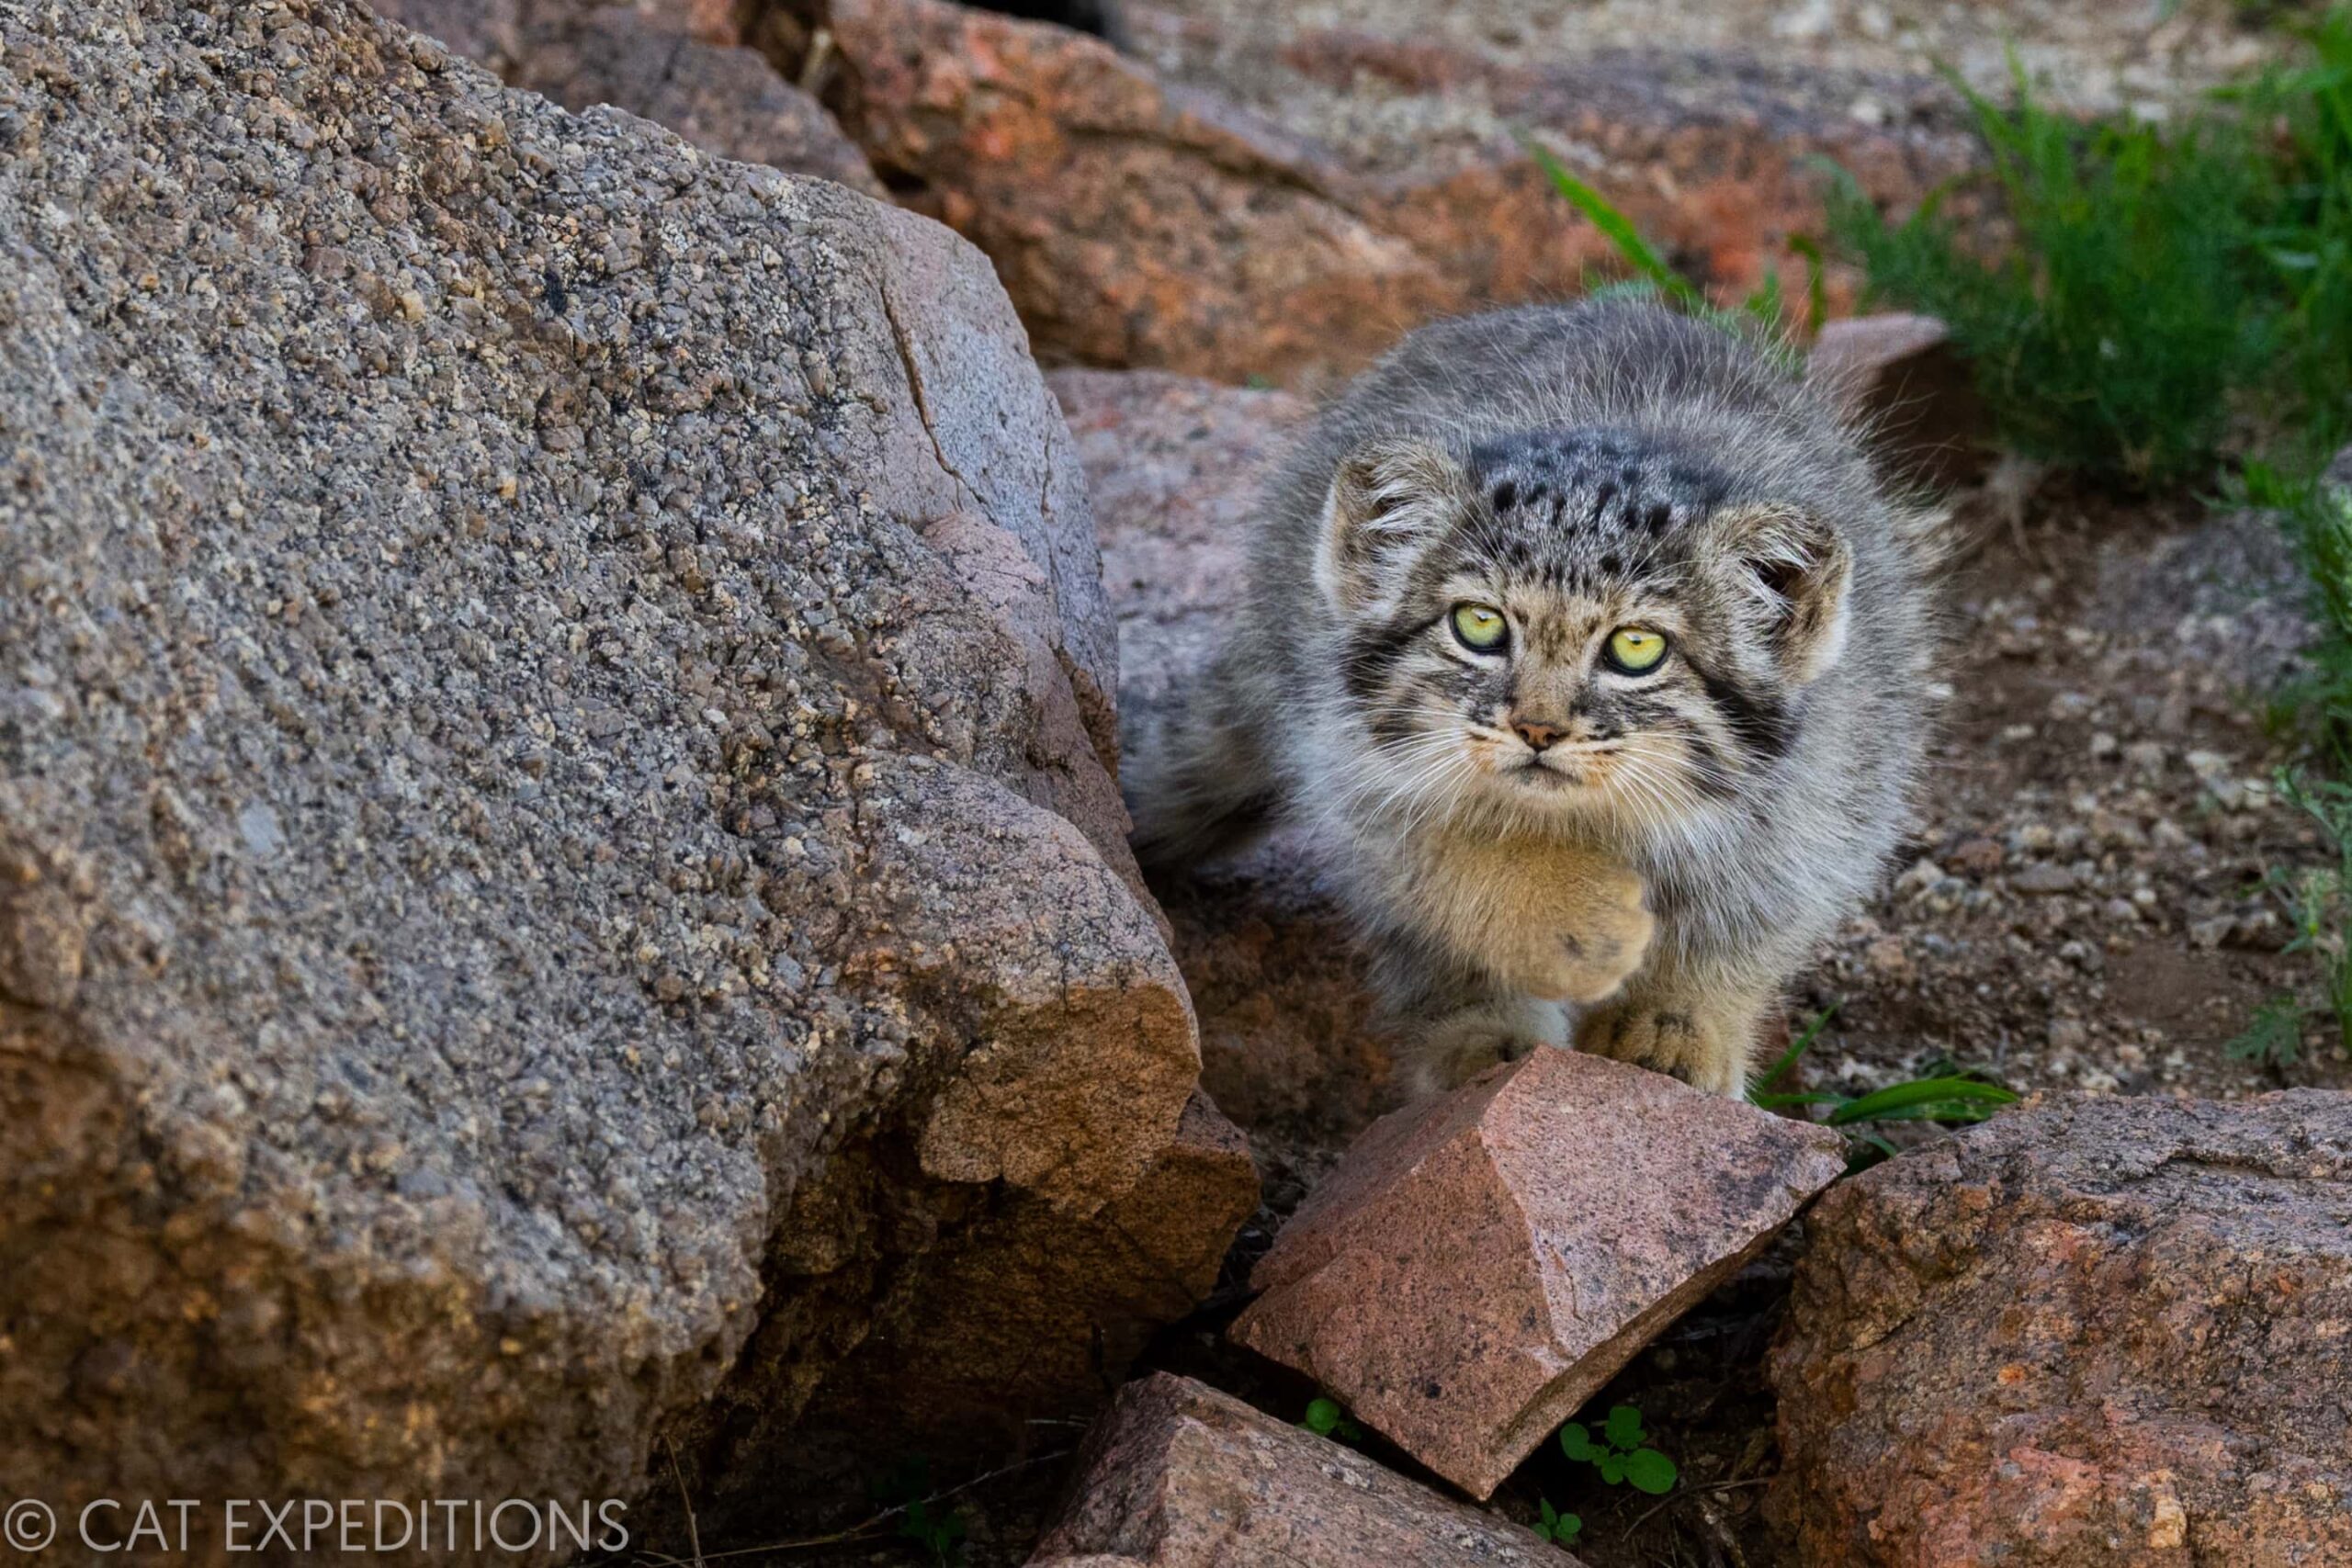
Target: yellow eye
x,y
1480,627
1636,650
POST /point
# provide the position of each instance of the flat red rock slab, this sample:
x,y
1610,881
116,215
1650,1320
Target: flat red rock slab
x,y
1179,1475
1481,1263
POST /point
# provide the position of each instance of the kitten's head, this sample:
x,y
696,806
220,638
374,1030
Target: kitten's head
x,y
1579,624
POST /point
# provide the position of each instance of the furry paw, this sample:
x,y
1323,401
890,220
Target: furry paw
x,y
1699,1050
1458,1047
1596,945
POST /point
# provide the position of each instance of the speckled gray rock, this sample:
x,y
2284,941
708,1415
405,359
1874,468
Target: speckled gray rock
x,y
726,100
675,62
553,690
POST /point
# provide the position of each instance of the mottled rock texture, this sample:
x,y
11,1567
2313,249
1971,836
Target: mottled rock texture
x,y
1134,222
1481,1263
500,33
1179,1475
2091,1332
1286,201
727,101
554,720
1173,468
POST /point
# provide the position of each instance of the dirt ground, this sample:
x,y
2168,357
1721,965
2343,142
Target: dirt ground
x,y
2083,908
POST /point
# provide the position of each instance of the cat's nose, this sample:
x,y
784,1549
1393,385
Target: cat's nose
x,y
1535,732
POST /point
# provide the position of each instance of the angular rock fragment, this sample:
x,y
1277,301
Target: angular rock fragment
x,y
1179,1475
1482,1262
1900,374
2094,1332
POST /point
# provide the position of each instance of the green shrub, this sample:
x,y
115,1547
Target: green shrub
x,y
2110,337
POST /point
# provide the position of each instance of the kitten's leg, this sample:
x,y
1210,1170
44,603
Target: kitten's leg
x,y
1559,923
1453,1048
1700,1027
1197,779
1487,937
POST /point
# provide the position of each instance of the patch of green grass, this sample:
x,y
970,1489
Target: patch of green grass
x,y
1621,1452
1953,1099
1763,313
2319,906
2110,337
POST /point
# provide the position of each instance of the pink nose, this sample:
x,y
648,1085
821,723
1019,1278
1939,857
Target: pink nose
x,y
1536,733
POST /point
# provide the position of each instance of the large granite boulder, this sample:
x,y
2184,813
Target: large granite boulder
x,y
554,719
2089,1333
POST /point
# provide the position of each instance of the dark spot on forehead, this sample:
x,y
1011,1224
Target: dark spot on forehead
x,y
1575,487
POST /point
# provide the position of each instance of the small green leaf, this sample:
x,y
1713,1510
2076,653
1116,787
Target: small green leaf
x,y
1577,1442
1550,1515
1568,1528
1612,1468
1623,1428
1946,1092
1615,226
1323,1416
1650,1471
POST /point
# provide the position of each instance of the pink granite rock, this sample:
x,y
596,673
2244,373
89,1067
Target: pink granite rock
x,y
1482,1263
1178,1475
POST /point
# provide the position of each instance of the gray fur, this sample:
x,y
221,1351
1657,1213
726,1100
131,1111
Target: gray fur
x,y
1578,460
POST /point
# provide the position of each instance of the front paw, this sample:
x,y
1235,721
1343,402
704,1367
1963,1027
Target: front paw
x,y
1588,957
1698,1051
1457,1047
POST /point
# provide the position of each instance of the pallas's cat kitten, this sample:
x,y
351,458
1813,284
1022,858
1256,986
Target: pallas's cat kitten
x,y
1596,652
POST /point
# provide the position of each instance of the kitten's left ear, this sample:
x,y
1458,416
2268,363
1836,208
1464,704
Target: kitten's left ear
x,y
1390,498
1792,571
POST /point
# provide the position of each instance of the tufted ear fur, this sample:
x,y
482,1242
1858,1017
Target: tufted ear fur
x,y
1390,498
1792,571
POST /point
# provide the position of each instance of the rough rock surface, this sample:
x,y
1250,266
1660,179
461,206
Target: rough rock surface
x,y
501,33
730,102
2094,1331
1133,222
1179,1475
1173,468
1141,216
554,693
1481,1263
1011,1326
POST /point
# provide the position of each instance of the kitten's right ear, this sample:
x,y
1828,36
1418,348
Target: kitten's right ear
x,y
1390,498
